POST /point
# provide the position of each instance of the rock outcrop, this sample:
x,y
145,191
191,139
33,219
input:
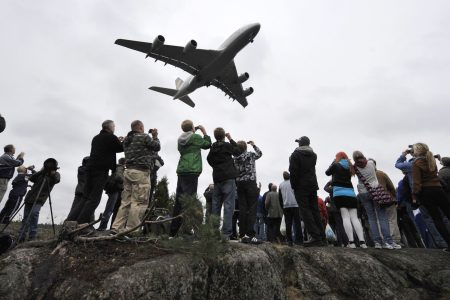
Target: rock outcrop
x,y
114,270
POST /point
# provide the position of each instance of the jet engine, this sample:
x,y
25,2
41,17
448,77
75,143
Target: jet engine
x,y
158,42
191,45
243,77
248,92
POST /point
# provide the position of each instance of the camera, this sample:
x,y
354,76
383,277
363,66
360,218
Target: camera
x,y
150,131
437,156
196,128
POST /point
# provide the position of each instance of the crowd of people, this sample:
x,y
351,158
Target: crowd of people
x,y
376,213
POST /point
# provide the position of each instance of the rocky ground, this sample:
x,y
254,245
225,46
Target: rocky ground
x,y
118,270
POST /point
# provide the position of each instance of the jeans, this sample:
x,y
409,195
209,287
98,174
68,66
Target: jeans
x,y
31,226
292,217
247,196
225,194
83,210
261,228
436,240
376,214
186,186
435,201
109,208
309,210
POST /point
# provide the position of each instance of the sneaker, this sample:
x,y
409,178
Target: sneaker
x,y
351,245
395,246
387,246
363,245
447,250
378,246
255,241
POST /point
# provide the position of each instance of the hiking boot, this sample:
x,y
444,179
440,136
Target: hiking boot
x,y
378,246
387,246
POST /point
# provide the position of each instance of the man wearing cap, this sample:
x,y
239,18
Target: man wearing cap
x,y
302,167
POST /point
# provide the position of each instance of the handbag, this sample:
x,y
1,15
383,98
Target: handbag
x,y
379,194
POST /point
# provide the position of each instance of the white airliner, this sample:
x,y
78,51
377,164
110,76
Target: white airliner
x,y
207,67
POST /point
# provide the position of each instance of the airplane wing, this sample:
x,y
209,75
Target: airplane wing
x,y
191,62
227,81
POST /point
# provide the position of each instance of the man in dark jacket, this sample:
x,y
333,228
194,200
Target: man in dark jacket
x,y
104,147
43,183
189,168
7,164
208,194
81,182
220,158
302,167
444,175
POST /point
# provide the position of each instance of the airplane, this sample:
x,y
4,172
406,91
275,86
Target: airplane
x,y
207,67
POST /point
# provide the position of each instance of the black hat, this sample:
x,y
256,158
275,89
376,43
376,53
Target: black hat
x,y
303,141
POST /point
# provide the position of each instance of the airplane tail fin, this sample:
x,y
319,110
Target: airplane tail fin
x,y
178,83
172,92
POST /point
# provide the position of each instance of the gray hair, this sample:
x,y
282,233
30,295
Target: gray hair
x,y
107,124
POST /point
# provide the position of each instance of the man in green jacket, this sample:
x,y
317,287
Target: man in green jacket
x,y
189,166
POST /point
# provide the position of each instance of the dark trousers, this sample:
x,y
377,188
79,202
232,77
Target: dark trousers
x,y
309,209
109,209
186,186
11,206
116,209
292,217
234,222
247,196
434,198
92,194
273,230
29,221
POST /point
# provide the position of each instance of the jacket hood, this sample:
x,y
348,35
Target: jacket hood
x,y
306,150
344,163
184,138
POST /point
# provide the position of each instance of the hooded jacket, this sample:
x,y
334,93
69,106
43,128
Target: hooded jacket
x,y
444,176
189,146
422,176
302,167
221,160
245,164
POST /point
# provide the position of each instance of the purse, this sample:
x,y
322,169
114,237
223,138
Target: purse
x,y
379,194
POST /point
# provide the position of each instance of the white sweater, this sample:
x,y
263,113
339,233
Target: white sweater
x,y
288,194
369,173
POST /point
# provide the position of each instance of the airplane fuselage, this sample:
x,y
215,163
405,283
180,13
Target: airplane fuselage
x,y
228,50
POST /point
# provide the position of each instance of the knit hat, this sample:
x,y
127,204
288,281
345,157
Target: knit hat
x,y
303,141
445,161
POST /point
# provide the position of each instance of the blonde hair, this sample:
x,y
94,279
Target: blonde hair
x,y
187,125
421,149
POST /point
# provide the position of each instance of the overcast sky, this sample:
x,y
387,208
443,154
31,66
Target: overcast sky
x,y
352,75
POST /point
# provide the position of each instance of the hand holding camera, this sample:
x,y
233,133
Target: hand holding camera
x,y
203,130
21,155
153,132
228,136
251,143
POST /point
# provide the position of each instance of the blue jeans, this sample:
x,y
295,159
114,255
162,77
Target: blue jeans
x,y
224,194
376,214
32,225
260,227
438,240
109,208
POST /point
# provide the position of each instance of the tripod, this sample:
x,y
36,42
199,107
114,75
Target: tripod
x,y
26,224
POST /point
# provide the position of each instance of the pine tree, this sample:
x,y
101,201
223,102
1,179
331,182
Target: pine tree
x,y
162,198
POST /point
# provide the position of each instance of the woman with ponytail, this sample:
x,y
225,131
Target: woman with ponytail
x,y
366,172
427,189
344,197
